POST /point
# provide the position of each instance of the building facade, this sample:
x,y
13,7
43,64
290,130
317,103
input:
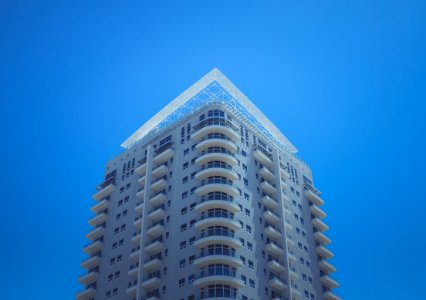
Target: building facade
x,y
208,201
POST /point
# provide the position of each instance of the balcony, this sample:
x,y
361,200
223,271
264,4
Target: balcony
x,y
141,170
290,241
163,156
86,294
324,252
276,284
284,186
91,262
330,296
158,199
140,194
138,222
320,225
291,256
217,221
288,225
267,173
139,207
133,272
321,238
285,198
156,214
152,282
88,278
217,239
218,259
229,132
154,247
262,158
326,267
272,233
218,279
314,197
208,172
152,264
100,206
160,171
316,211
276,266
159,185
293,273
105,191
225,204
329,282
296,294
284,174
135,254
155,230
141,181
217,142
217,187
98,219
96,233
93,247
136,239
271,217
268,188
269,202
274,249
132,290
214,156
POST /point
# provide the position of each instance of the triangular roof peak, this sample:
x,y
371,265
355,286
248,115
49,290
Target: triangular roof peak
x,y
212,88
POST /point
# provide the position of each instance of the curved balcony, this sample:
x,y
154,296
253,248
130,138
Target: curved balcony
x,y
316,211
324,252
269,202
330,296
229,205
274,249
320,225
91,262
326,267
285,198
138,222
140,194
163,156
284,174
96,233
218,279
228,222
314,197
104,192
216,171
291,256
329,282
218,259
271,217
229,132
141,181
88,278
155,230
276,266
141,170
98,219
212,156
230,241
322,238
86,294
290,241
93,247
100,206
159,184
267,187
284,186
262,158
136,239
267,173
160,171
272,233
135,254
158,198
139,207
217,142
217,187
154,247
157,213
277,284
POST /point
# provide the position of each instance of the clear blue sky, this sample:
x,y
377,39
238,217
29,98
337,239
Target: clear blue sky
x,y
343,80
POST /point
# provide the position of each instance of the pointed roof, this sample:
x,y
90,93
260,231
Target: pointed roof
x,y
212,88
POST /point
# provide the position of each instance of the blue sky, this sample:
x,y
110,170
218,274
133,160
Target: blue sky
x,y
343,80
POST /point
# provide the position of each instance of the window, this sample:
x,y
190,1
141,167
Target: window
x,y
182,282
191,259
185,166
182,263
183,211
192,206
249,246
183,227
185,195
248,228
252,284
185,180
183,244
186,151
250,264
191,279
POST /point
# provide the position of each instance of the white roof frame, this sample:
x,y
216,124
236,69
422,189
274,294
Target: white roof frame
x,y
183,99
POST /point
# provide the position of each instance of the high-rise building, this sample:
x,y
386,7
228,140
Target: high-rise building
x,y
208,201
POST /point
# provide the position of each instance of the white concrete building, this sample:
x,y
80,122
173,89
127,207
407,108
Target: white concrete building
x,y
208,201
